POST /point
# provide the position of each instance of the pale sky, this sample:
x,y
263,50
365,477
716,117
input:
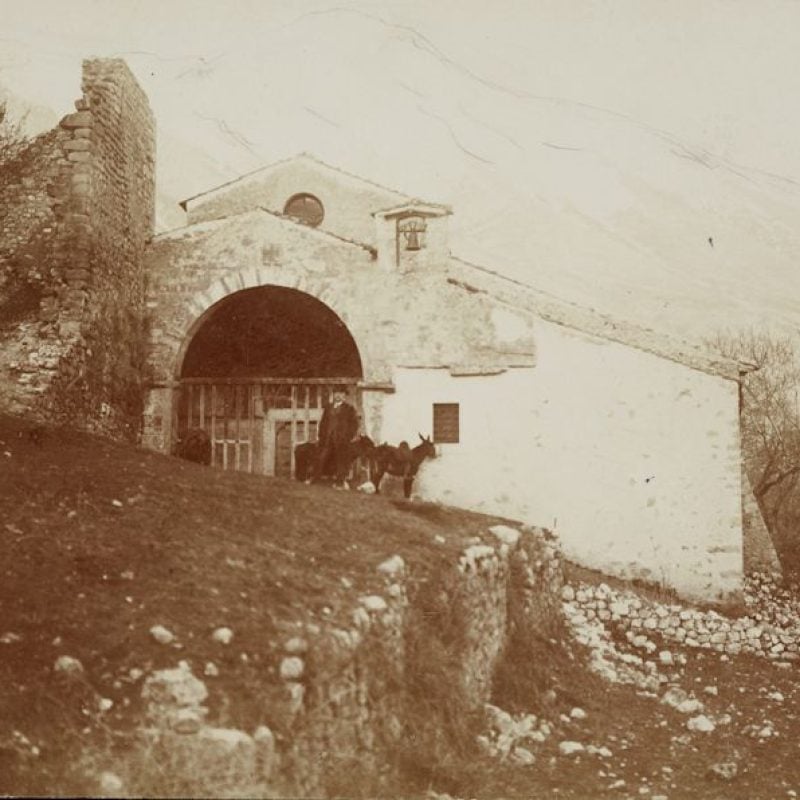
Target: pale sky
x,y
576,140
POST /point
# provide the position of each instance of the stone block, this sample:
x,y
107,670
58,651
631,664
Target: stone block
x,y
78,119
78,144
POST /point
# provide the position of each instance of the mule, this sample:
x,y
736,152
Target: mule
x,y
306,454
401,461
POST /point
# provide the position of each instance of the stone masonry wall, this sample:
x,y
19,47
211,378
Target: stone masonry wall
x,y
767,629
27,241
342,703
78,357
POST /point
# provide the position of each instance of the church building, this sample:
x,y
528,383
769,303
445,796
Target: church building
x,y
300,278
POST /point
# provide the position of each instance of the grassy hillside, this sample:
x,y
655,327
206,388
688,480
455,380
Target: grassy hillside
x,y
101,541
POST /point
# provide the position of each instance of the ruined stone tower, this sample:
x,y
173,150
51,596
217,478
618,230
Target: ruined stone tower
x,y
76,216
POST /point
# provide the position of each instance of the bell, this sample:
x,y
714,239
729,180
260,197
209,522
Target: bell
x,y
412,240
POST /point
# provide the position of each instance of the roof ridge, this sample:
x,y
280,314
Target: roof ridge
x,y
303,155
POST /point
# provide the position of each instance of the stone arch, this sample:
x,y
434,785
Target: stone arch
x,y
270,332
201,306
260,359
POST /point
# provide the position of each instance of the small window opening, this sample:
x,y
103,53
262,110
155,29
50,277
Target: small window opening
x,y
445,423
305,208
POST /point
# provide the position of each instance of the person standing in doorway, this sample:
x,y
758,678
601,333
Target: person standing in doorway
x,y
337,428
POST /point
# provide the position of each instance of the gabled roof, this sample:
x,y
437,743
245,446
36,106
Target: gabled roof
x,y
300,157
415,207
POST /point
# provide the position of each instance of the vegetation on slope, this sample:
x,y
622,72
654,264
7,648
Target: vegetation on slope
x,y
100,541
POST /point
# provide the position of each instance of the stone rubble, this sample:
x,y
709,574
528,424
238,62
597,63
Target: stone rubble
x,y
701,724
110,784
770,626
605,658
162,635
68,665
222,635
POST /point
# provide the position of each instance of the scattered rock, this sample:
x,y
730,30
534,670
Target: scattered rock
x,y
296,646
67,665
701,724
105,704
578,713
374,602
603,752
689,706
169,689
674,696
211,670
392,566
162,635
111,784
222,635
506,534
724,770
292,668
570,748
522,756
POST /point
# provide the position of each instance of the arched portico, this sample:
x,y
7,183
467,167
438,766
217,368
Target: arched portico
x,y
256,368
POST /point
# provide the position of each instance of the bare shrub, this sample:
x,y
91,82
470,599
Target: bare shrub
x,y
13,143
770,424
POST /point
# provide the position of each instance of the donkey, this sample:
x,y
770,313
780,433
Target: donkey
x,y
306,454
401,461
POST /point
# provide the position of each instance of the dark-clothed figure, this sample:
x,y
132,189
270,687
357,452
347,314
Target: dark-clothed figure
x,y
337,428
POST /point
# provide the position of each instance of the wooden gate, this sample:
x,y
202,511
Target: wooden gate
x,y
255,423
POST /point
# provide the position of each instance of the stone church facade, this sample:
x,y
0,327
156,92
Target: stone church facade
x,y
300,278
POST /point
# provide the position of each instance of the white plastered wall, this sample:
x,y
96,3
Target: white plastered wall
x,y
632,459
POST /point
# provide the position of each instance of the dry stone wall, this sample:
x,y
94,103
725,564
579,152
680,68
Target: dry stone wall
x,y
76,241
343,699
767,627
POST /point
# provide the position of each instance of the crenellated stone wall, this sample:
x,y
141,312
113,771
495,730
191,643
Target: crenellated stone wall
x,y
73,280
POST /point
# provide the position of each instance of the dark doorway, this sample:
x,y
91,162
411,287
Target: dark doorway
x,y
272,331
258,374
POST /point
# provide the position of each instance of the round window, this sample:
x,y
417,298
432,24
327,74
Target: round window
x,y
305,208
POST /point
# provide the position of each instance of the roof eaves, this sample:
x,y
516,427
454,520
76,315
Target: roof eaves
x,y
577,317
